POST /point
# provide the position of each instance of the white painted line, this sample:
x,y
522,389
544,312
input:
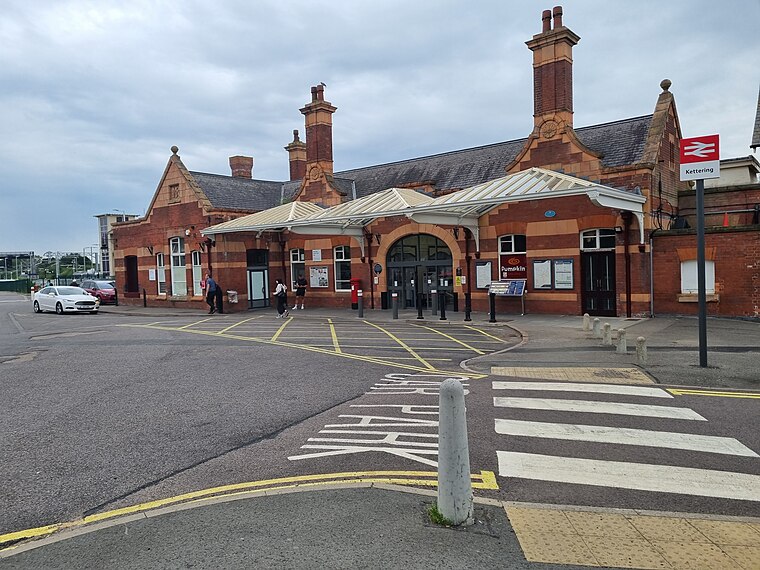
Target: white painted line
x,y
625,436
637,476
579,387
592,407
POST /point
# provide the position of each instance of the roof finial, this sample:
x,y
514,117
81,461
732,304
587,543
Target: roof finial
x,y
174,149
665,84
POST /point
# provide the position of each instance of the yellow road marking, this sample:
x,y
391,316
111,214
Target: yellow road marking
x,y
484,333
221,332
334,336
451,338
403,344
195,323
483,480
282,328
715,393
370,359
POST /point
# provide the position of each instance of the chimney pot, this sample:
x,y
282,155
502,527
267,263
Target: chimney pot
x,y
313,93
557,17
546,19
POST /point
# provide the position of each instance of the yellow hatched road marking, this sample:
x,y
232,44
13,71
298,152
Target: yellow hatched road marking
x,y
371,359
408,348
195,323
714,393
282,328
484,333
334,337
464,344
483,480
221,332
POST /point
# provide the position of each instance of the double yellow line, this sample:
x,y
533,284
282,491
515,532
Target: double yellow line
x,y
713,393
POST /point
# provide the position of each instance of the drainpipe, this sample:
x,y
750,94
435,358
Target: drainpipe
x,y
651,273
468,262
626,244
368,237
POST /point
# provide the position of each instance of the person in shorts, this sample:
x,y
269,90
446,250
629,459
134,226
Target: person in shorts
x,y
300,290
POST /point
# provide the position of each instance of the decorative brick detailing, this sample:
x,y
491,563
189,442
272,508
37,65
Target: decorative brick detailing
x,y
297,157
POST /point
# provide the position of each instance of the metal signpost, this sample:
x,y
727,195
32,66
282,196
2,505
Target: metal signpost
x,y
700,159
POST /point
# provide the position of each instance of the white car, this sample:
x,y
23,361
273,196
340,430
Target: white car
x,y
65,300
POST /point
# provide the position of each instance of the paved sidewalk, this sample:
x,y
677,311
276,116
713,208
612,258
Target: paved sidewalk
x,y
381,526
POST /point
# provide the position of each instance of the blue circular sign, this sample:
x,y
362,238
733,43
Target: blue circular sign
x,y
550,213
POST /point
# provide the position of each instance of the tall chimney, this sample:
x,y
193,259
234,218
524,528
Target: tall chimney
x,y
318,118
297,152
553,70
241,166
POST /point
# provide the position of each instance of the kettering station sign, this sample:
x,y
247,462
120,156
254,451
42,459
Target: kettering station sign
x,y
700,158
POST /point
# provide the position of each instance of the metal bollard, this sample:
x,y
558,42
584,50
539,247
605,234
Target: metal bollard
x,y
641,350
622,344
360,295
607,335
420,316
434,299
467,307
492,307
454,483
596,328
586,322
394,297
145,299
442,302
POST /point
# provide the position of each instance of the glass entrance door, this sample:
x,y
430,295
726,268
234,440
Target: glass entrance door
x,y
258,292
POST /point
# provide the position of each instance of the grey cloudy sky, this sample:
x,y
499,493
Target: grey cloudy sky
x,y
94,93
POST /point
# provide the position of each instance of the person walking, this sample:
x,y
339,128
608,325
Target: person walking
x,y
300,290
281,294
210,293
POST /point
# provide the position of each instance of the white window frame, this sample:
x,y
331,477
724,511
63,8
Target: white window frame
x,y
160,274
178,266
297,265
597,235
503,241
689,277
197,272
340,259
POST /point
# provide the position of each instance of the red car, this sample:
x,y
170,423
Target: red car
x,y
103,290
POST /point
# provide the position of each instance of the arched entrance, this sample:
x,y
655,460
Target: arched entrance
x,y
419,263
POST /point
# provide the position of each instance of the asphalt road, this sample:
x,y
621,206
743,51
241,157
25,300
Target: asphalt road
x,y
105,411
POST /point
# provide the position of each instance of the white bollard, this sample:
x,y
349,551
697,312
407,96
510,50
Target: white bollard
x,y
641,350
597,332
622,344
607,339
586,322
454,483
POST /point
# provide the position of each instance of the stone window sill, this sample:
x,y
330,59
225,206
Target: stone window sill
x,y
694,298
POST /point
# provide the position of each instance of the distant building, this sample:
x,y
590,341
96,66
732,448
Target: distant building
x,y
105,225
568,214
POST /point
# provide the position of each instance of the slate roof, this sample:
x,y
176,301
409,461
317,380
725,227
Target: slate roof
x,y
620,143
756,132
234,193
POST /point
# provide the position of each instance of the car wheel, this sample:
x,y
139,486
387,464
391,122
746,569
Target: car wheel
x,y
59,308
37,307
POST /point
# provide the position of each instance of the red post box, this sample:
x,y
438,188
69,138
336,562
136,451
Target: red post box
x,y
356,284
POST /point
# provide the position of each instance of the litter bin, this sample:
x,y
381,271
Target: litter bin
x,y
384,300
356,284
232,296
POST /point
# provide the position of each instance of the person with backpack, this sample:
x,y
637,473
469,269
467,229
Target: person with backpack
x,y
281,294
210,293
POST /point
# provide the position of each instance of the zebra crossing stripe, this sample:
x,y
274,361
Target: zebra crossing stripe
x,y
624,436
644,391
636,476
596,407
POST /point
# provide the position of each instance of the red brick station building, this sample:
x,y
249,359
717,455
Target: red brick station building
x,y
580,220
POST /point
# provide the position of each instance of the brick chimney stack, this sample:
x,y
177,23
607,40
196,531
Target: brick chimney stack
x,y
318,118
241,166
297,152
553,70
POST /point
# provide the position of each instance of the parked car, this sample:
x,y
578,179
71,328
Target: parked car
x,y
65,300
103,290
